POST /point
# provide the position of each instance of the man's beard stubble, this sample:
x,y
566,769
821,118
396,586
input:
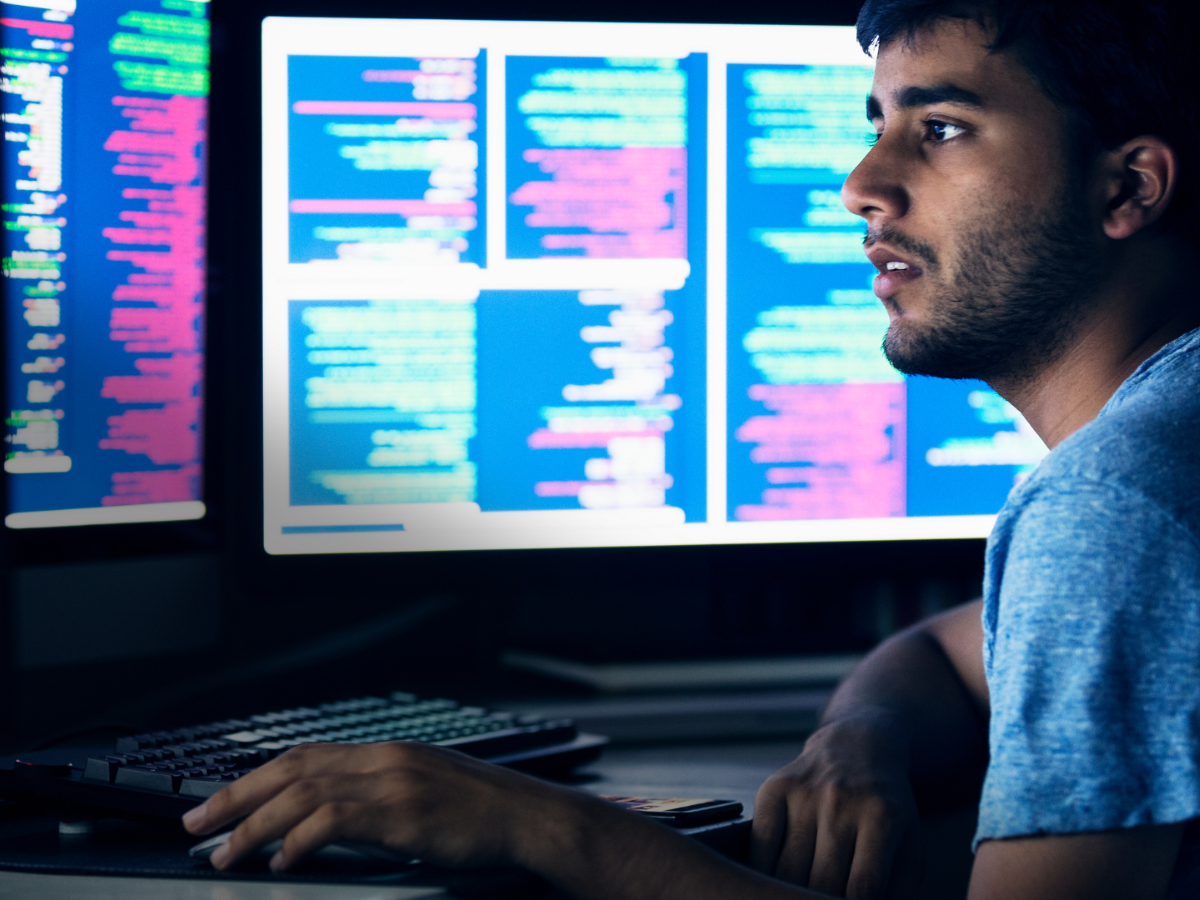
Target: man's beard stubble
x,y
1017,292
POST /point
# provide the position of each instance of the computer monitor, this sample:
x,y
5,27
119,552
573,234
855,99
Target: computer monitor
x,y
105,120
566,284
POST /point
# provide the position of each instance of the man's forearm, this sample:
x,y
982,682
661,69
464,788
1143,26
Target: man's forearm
x,y
596,851
908,689
904,709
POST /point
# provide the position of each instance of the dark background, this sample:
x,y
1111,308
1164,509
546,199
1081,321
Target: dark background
x,y
176,623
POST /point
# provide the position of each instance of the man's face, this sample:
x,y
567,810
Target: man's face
x,y
981,229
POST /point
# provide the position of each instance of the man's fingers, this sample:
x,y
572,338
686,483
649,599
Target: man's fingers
x,y
795,860
767,829
294,804
271,821
233,802
871,869
329,823
832,855
253,790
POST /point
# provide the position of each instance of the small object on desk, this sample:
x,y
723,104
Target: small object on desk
x,y
682,813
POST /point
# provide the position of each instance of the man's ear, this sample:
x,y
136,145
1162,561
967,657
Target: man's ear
x,y
1141,178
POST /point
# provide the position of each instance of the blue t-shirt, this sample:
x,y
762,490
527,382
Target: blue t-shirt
x,y
1091,621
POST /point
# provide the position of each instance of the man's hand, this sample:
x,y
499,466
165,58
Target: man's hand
x,y
841,818
436,804
450,809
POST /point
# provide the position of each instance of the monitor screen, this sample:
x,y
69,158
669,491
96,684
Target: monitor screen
x,y
105,110
545,284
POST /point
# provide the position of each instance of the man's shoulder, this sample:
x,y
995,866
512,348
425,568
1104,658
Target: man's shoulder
x,y
1146,443
1092,621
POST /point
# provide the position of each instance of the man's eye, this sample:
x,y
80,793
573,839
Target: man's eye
x,y
942,131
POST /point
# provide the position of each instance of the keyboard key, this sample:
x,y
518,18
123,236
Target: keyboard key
x,y
148,779
135,743
201,787
245,737
102,769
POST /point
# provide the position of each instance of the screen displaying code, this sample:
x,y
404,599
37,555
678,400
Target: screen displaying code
x,y
105,123
546,288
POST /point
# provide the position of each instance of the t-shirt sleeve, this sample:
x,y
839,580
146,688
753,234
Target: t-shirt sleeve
x,y
1093,661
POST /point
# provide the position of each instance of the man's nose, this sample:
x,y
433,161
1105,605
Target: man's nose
x,y
874,190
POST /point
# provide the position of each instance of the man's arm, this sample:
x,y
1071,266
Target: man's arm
x,y
904,708
842,818
447,808
1129,864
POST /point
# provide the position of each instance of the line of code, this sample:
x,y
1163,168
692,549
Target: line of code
x,y
597,152
386,159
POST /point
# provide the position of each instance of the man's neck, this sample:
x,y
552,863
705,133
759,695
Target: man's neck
x,y
1132,319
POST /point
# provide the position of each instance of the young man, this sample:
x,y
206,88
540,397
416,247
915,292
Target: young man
x,y
1030,204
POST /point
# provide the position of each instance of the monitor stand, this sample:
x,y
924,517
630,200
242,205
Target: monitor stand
x,y
715,699
690,675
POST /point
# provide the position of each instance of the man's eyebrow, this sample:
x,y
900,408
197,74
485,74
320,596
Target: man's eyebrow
x,y
914,96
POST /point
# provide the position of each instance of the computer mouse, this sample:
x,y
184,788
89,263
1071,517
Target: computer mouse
x,y
343,850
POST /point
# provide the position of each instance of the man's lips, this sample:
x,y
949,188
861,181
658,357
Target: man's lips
x,y
894,270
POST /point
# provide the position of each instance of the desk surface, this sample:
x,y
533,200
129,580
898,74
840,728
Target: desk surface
x,y
728,771
26,886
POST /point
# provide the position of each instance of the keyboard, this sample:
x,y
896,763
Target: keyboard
x,y
164,773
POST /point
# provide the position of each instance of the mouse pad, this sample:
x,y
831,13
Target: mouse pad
x,y
116,847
